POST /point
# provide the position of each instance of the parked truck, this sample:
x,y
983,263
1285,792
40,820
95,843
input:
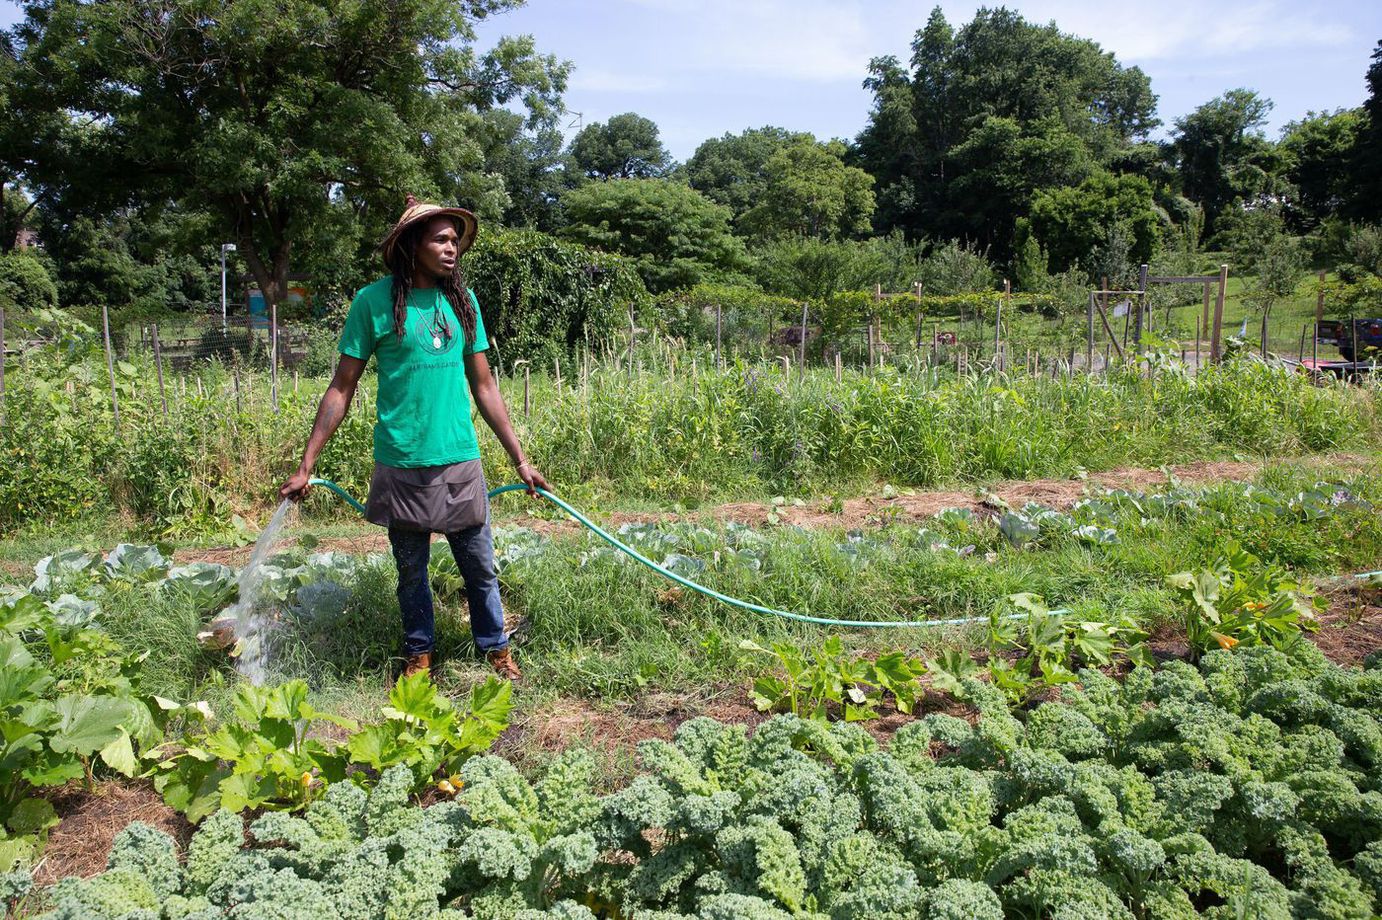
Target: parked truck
x,y
1366,333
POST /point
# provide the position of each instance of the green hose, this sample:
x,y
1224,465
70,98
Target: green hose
x,y
702,589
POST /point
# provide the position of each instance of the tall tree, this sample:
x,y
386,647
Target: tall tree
x,y
1366,201
625,147
1317,153
732,170
808,190
1052,106
293,122
1221,154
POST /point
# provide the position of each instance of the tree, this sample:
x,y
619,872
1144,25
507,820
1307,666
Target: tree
x,y
808,190
534,168
1070,222
625,147
732,170
1318,153
298,125
1366,168
675,236
982,117
1221,154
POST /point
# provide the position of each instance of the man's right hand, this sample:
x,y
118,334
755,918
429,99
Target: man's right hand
x,y
296,486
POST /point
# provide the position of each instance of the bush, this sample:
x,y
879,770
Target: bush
x,y
542,297
25,283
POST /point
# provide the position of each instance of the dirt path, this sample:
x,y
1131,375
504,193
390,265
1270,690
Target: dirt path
x,y
861,512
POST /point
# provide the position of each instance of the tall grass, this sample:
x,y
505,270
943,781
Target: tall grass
x,y
662,435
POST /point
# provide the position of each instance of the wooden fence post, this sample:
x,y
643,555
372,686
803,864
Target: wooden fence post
x,y
1141,305
2,365
1089,337
719,326
1204,318
1301,354
273,355
998,329
1198,336
1319,300
110,365
837,367
556,363
527,394
1216,332
802,358
158,363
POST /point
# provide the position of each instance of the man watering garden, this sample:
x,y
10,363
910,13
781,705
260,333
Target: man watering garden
x,y
425,329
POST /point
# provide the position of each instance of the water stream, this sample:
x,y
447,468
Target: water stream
x,y
248,624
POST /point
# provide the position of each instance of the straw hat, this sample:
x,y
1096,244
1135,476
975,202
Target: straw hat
x,y
421,211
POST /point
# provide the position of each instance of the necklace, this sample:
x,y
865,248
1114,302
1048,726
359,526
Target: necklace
x,y
439,326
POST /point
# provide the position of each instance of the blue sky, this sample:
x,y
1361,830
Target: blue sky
x,y
700,68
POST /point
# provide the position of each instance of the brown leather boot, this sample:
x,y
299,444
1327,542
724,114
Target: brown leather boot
x,y
419,662
504,665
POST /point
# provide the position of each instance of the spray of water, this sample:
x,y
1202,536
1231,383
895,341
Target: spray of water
x,y
247,624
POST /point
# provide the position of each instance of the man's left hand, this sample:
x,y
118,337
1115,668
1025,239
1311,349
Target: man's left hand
x,y
532,478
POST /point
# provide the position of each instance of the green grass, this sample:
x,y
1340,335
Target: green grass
x,y
601,629
662,437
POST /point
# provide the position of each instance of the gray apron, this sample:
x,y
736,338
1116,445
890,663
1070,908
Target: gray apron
x,y
442,499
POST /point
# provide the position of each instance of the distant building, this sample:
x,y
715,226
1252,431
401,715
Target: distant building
x,y
27,239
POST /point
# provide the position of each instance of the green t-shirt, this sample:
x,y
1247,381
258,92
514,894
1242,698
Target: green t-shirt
x,y
424,399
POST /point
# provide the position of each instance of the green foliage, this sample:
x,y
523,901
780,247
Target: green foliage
x,y
746,315
544,297
1046,649
732,170
1221,155
1239,600
426,732
809,191
1248,783
25,284
824,682
1070,222
981,118
1318,151
263,757
310,162
625,147
673,235
70,704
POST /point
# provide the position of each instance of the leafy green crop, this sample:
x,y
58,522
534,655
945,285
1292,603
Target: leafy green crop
x,y
1248,786
1240,600
824,682
69,703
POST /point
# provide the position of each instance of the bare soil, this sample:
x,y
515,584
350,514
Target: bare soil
x,y
81,843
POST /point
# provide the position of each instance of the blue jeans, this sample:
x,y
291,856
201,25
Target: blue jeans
x,y
473,549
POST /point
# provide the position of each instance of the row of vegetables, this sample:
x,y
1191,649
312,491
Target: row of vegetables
x,y
1247,786
73,706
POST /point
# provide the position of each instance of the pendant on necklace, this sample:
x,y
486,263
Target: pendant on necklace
x,y
436,341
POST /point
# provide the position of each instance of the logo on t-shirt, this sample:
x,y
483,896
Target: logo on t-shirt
x,y
435,332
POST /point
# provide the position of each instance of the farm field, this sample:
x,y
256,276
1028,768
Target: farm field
x,y
1133,557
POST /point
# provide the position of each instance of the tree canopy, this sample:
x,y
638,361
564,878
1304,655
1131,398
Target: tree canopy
x,y
675,236
625,147
980,118
298,125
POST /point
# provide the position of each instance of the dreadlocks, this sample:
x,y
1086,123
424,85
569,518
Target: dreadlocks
x,y
452,285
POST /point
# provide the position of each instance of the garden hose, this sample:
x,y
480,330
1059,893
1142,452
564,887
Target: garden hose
x,y
702,589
